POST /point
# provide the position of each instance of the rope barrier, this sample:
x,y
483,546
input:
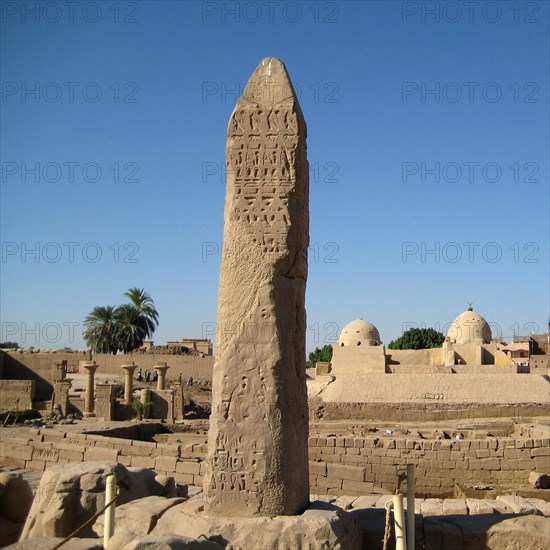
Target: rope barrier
x,y
387,529
95,516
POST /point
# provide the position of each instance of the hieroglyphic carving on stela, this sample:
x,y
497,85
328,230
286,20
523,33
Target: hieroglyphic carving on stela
x,y
261,157
257,460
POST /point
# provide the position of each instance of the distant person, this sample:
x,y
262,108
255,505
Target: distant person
x,y
140,376
180,378
190,381
155,376
147,375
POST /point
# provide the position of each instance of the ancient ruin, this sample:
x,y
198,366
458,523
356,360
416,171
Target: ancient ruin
x,y
241,466
257,458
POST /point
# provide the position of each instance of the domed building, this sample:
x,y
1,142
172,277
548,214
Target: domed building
x,y
469,327
359,346
469,367
469,341
359,333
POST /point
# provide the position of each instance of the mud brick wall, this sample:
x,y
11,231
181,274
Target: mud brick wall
x,y
353,465
200,368
412,412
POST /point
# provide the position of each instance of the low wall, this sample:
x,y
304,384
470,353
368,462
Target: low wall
x,y
425,357
446,388
424,412
16,395
343,465
350,465
38,367
455,369
200,368
39,449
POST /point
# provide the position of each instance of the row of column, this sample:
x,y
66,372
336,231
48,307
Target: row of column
x,y
91,367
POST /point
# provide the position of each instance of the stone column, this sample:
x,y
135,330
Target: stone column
x,y
161,369
146,400
257,463
179,402
129,382
89,368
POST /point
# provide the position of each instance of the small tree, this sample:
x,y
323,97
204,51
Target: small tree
x,y
418,338
6,345
323,354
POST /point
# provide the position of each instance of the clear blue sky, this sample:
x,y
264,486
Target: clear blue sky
x,y
391,91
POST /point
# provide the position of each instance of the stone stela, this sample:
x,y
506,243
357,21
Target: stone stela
x,y
257,461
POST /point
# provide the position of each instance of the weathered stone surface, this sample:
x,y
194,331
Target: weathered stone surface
x,y
365,501
257,443
344,502
138,516
171,542
542,505
500,507
432,507
70,494
486,532
539,481
531,532
478,506
453,506
47,543
321,526
16,395
519,504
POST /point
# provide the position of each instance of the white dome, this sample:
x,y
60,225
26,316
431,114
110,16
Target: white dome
x,y
359,333
468,327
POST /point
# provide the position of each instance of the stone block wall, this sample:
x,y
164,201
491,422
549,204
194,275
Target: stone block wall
x,y
16,395
39,449
343,465
38,367
353,465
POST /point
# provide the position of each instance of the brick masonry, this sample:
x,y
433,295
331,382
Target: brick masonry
x,y
343,465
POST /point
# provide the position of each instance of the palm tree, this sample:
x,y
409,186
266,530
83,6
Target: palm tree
x,y
100,328
129,328
108,329
147,315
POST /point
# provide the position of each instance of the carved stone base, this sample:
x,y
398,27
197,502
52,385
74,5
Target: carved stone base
x,y
321,526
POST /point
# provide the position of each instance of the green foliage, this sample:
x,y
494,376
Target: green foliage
x,y
100,328
108,329
5,345
418,338
138,407
147,317
323,354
